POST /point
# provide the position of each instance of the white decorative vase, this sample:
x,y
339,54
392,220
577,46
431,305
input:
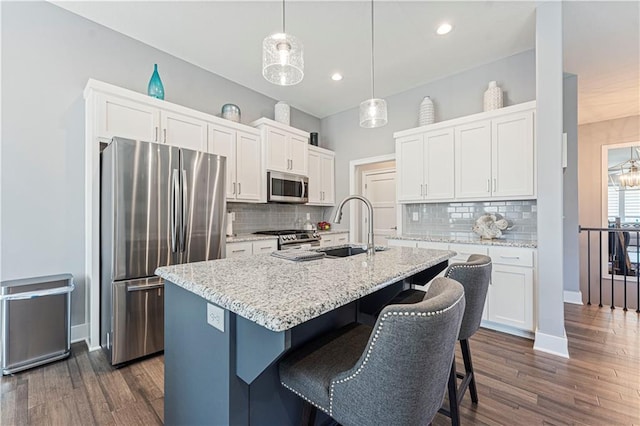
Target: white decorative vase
x,y
427,114
492,97
283,113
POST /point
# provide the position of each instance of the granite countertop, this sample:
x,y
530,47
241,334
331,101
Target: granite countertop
x,y
468,239
334,231
279,294
250,237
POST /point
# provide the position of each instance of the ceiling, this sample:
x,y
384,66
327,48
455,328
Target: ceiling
x,y
225,37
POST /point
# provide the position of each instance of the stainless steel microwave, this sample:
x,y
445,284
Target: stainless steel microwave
x,y
287,188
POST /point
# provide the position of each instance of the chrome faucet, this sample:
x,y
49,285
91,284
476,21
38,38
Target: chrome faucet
x,y
338,217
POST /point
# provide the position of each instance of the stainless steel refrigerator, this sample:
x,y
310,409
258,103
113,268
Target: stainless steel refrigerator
x,y
160,205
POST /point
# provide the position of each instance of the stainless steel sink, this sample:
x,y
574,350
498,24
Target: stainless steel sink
x,y
343,251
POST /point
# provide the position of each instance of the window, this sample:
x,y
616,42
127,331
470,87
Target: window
x,y
623,204
614,203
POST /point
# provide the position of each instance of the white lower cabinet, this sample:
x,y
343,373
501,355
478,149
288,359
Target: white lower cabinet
x,y
248,248
334,239
510,303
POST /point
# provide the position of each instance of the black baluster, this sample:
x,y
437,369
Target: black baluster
x,y
613,264
588,267
600,270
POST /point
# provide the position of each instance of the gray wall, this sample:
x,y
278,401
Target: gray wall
x,y
48,54
570,185
454,96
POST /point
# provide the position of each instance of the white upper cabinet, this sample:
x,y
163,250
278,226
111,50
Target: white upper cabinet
x,y
490,155
286,148
473,160
183,131
425,165
128,119
321,177
244,162
513,154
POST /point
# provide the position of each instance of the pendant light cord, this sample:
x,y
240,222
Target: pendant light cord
x,y
283,28
372,75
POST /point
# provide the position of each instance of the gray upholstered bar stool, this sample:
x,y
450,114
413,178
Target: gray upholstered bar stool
x,y
392,374
474,275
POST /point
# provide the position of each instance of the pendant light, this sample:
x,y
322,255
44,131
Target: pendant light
x,y
373,112
631,177
282,58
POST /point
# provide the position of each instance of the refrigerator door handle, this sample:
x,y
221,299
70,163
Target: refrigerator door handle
x,y
174,210
183,214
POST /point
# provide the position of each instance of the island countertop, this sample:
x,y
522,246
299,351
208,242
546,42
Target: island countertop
x,y
280,294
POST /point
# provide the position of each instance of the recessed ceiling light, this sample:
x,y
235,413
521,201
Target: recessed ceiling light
x,y
444,28
336,77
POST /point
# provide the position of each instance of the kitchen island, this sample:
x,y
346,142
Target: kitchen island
x,y
228,321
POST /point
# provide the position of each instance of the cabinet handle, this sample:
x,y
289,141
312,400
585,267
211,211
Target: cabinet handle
x,y
495,184
426,189
488,185
239,188
156,137
265,248
164,131
509,257
234,188
421,189
238,251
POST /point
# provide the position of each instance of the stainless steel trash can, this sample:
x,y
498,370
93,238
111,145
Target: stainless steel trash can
x,y
36,321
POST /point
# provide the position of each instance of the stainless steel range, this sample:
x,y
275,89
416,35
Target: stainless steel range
x,y
294,239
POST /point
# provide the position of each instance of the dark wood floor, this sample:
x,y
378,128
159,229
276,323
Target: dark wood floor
x,y
599,385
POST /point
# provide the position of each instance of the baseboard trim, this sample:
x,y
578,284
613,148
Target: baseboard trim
x,y
573,297
552,344
79,332
506,329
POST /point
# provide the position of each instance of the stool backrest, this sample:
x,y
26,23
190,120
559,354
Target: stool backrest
x,y
402,374
474,275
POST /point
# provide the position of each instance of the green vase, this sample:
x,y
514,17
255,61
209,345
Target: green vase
x,y
155,89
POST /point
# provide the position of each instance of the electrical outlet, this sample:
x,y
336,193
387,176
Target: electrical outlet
x,y
415,217
215,317
233,216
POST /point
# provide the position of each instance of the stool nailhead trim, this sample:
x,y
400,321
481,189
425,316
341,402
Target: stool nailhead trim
x,y
305,398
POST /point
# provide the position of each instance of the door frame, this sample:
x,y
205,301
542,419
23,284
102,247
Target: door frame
x,y
354,166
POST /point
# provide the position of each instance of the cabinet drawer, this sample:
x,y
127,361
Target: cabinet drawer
x,y
465,250
239,249
264,246
511,256
341,238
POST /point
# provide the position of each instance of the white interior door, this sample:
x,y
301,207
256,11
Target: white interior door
x,y
380,188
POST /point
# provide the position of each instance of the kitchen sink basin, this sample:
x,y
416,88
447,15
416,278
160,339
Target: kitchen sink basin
x,y
343,251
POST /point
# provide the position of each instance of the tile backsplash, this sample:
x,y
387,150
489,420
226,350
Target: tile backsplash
x,y
446,218
260,217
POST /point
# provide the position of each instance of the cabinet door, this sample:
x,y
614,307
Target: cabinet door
x,y
511,296
328,184
249,174
277,156
299,155
473,160
315,178
183,131
127,119
439,167
410,167
222,141
513,152
239,249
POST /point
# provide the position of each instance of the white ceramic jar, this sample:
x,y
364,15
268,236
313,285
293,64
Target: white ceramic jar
x,y
283,113
492,97
427,113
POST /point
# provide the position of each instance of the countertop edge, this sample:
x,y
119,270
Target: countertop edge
x,y
453,240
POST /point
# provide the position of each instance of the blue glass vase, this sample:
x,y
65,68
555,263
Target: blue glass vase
x,y
155,89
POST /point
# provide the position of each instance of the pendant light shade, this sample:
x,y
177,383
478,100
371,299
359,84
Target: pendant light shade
x,y
282,58
373,112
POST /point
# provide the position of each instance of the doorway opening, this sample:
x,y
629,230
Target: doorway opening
x,y
373,178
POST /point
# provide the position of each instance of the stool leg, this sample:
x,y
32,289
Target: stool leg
x,y
468,366
308,414
453,395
